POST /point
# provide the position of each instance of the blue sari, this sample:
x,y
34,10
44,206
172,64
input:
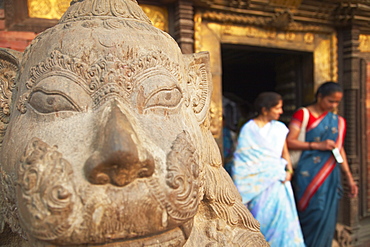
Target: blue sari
x,y
228,146
258,172
317,183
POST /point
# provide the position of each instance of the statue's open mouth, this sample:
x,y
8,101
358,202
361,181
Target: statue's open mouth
x,y
174,237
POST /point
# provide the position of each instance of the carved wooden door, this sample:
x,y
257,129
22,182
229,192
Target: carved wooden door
x,y
294,81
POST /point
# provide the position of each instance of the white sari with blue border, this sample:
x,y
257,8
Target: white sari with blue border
x,y
258,173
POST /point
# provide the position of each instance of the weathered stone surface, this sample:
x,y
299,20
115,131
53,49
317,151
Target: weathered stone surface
x,y
106,141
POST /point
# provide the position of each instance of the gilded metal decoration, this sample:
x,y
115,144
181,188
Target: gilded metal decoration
x,y
364,45
240,4
157,15
54,9
282,19
286,3
47,9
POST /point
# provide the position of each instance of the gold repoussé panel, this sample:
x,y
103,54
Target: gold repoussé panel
x,y
47,9
54,9
364,43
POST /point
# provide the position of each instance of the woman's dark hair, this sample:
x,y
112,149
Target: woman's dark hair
x,y
327,88
267,100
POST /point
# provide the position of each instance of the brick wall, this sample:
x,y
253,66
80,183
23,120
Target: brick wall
x,y
13,40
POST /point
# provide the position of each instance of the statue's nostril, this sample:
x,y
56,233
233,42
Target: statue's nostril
x,y
101,178
147,169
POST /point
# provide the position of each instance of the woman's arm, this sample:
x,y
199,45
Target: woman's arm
x,y
353,189
289,167
292,139
295,144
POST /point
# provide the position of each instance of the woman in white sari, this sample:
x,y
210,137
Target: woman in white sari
x,y
262,172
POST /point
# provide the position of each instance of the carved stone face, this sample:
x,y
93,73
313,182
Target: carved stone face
x,y
107,137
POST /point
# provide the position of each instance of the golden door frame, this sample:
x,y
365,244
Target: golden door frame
x,y
209,36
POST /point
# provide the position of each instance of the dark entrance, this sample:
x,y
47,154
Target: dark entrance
x,y
249,70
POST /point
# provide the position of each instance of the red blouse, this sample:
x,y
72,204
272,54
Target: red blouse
x,y
297,119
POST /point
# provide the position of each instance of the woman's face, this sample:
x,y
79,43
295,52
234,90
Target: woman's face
x,y
330,102
275,111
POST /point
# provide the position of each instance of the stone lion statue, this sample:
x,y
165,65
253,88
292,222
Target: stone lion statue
x,y
105,139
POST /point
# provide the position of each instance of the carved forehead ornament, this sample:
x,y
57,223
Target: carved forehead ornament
x,y
109,75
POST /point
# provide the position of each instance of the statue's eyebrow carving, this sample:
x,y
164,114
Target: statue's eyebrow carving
x,y
92,75
56,72
105,70
108,75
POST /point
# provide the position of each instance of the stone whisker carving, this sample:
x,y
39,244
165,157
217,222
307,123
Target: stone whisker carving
x,y
105,130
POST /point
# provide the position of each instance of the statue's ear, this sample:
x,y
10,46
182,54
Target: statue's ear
x,y
199,83
9,67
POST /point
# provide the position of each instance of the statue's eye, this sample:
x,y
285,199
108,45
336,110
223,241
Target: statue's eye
x,y
51,102
168,98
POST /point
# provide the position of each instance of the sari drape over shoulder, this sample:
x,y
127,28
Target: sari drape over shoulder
x,y
317,183
258,173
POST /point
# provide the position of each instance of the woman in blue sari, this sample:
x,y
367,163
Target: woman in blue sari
x,y
262,173
317,182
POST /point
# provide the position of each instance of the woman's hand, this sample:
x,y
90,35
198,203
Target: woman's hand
x,y
288,176
288,168
323,145
353,190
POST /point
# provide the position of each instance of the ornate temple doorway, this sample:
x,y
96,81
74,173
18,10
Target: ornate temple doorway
x,y
293,63
250,70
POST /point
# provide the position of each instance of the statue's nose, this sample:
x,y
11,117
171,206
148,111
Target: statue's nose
x,y
116,158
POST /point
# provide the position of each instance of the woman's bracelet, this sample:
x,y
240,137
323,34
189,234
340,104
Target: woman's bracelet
x,y
310,145
289,170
